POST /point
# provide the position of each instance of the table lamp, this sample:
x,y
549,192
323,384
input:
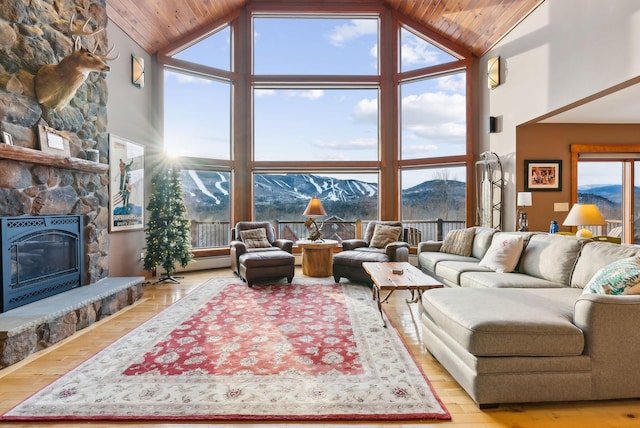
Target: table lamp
x,y
523,200
314,209
584,215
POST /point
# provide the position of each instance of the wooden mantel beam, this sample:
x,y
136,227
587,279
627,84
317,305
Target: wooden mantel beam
x,y
23,154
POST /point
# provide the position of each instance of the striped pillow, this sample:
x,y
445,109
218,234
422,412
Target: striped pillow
x,y
255,238
383,235
459,241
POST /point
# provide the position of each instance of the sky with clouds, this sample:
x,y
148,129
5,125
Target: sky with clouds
x,y
314,122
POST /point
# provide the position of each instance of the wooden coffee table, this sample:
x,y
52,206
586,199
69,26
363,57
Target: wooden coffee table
x,y
411,278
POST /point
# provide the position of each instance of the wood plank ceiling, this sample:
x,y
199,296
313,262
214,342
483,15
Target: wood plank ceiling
x,y
475,25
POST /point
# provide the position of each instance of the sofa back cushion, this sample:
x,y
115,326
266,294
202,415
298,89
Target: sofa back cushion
x,y
481,241
551,257
596,255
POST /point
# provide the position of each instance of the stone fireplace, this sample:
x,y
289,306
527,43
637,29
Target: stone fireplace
x,y
35,183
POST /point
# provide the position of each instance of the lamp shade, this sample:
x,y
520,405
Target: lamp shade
x,y
584,215
315,208
524,199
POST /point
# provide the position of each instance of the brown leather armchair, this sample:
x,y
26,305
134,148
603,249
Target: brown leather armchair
x,y
348,263
272,260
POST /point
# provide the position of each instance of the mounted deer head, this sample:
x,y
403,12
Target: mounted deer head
x,y
56,84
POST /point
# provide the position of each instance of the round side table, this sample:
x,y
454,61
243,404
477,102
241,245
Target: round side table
x,y
317,257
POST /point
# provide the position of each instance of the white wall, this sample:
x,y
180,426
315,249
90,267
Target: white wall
x,y
563,52
130,112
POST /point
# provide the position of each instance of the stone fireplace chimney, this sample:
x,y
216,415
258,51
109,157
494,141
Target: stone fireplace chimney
x,y
32,182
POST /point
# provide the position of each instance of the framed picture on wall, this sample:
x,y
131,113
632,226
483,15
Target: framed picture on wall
x,y
53,141
543,175
126,185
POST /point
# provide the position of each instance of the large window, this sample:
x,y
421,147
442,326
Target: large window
x,y
433,117
607,176
315,46
213,51
434,200
207,200
614,190
337,104
316,124
197,116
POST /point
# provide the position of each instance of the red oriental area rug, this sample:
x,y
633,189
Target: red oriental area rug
x,y
310,350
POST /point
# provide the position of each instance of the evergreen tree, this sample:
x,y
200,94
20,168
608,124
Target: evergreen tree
x,y
168,229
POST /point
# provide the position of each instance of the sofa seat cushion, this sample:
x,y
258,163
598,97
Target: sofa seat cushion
x,y
356,257
507,322
450,270
429,260
266,258
505,280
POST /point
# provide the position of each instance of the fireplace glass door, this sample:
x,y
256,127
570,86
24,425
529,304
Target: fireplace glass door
x,y
41,255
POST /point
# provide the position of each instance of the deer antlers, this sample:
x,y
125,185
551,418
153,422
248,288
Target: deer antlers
x,y
77,32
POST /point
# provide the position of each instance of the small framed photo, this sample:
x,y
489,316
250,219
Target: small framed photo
x,y
543,175
52,141
7,138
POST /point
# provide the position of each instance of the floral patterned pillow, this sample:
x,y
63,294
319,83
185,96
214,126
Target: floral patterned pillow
x,y
458,242
619,277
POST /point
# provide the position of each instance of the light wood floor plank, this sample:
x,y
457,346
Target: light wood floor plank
x,y
25,378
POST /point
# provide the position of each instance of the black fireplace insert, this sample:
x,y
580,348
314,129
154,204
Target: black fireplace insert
x,y
41,257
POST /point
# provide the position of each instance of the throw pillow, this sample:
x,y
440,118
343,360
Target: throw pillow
x,y
503,254
255,238
459,241
619,277
383,235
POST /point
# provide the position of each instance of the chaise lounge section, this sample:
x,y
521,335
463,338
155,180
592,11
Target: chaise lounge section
x,y
543,332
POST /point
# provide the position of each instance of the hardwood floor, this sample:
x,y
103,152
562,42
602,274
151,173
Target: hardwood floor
x,y
19,381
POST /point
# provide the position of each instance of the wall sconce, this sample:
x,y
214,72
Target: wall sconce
x,y
523,200
493,72
137,71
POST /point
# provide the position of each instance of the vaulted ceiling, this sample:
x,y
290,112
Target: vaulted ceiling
x,y
475,25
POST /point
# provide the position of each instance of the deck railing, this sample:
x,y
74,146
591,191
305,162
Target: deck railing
x,y
218,234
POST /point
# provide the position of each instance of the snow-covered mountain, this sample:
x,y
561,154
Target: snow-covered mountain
x,y
207,195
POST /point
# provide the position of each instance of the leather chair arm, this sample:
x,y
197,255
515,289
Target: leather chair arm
x,y
284,244
238,248
352,244
397,251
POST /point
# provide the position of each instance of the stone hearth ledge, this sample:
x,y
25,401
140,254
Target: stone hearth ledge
x,y
38,325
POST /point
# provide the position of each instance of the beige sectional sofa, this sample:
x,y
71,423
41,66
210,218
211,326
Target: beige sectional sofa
x,y
534,334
